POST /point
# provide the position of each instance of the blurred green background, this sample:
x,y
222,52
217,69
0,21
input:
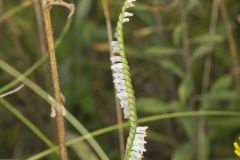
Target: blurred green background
x,y
182,55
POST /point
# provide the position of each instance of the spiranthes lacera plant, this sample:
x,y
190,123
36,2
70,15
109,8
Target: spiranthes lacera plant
x,y
124,89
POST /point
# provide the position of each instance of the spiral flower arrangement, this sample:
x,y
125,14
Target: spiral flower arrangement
x,y
124,89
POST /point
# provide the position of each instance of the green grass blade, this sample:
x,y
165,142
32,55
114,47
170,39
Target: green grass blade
x,y
16,9
141,120
26,122
20,78
62,35
38,90
84,131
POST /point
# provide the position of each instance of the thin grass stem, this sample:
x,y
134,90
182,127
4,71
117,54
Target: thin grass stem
x,y
141,120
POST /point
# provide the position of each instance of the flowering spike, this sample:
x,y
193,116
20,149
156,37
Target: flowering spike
x,y
124,89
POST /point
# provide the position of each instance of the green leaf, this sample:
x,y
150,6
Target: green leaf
x,y
81,149
153,106
184,152
184,90
162,51
222,83
225,95
207,38
171,67
187,126
177,33
193,3
200,52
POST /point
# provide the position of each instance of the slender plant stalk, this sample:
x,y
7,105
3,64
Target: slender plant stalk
x,y
117,106
55,81
185,39
233,49
208,61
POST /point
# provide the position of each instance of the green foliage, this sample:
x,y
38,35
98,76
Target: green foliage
x,y
184,152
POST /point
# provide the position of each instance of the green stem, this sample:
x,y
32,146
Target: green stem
x,y
141,120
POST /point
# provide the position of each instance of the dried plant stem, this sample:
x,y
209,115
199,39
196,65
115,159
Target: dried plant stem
x,y
119,114
55,81
232,46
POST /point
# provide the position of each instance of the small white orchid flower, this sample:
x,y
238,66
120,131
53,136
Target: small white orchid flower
x,y
118,67
127,14
115,59
130,3
115,47
125,20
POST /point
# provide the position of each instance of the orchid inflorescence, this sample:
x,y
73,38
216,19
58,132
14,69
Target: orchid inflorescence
x,y
124,89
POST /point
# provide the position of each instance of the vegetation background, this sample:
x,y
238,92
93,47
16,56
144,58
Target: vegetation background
x,y
183,56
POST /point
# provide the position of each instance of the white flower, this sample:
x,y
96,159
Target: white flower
x,y
130,3
126,112
118,75
138,147
115,47
122,95
117,67
115,59
127,14
125,20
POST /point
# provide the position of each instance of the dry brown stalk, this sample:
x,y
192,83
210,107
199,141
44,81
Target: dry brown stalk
x,y
55,80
